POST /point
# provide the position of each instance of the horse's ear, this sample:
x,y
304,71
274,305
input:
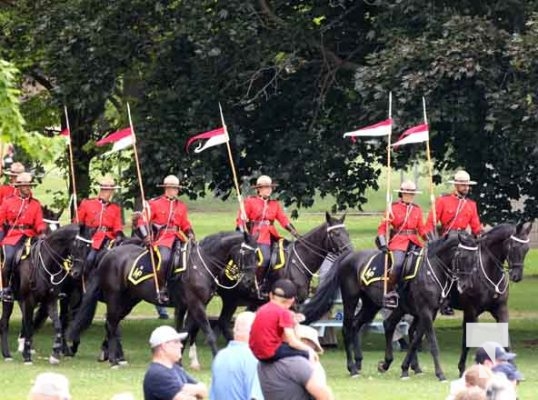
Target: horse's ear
x,y
526,228
58,214
328,217
343,218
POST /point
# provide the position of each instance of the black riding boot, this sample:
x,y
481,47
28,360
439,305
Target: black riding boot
x,y
166,255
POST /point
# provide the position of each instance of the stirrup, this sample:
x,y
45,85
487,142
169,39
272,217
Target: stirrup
x,y
162,297
6,295
390,300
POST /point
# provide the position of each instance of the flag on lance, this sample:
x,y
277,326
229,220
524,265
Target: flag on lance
x,y
416,134
120,140
210,139
383,128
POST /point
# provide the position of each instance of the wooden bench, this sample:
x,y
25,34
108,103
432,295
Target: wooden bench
x,y
375,326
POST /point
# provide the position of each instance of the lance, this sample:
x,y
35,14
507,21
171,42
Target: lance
x,y
234,175
73,196
388,203
146,214
430,168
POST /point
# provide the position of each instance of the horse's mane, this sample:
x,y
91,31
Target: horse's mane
x,y
501,231
437,245
215,240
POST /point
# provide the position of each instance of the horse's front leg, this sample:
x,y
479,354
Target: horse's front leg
x,y
7,310
389,326
58,336
469,316
198,314
27,310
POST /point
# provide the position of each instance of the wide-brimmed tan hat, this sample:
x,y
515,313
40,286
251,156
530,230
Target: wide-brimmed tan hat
x,y
309,333
24,179
264,181
170,181
408,187
462,178
15,169
108,183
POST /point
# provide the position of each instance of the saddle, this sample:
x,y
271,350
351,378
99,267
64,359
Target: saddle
x,y
142,269
373,271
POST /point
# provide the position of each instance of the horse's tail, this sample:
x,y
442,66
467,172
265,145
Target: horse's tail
x,y
84,316
325,295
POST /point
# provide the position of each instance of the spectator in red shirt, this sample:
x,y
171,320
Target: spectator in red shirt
x,y
272,336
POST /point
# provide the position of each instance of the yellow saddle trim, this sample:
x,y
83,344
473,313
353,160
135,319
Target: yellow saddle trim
x,y
26,249
136,273
183,260
281,257
416,266
368,275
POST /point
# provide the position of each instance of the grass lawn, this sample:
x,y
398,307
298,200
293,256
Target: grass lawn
x,y
93,380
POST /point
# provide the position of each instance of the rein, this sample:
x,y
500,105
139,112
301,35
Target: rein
x,y
56,259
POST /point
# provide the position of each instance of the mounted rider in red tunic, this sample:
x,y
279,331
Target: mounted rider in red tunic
x,y
102,218
406,226
9,188
261,214
455,212
170,221
20,218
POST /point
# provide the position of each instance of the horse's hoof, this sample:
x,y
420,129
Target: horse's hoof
x,y
53,360
102,357
8,359
195,366
28,363
355,375
404,376
20,345
115,366
123,363
382,367
442,378
418,371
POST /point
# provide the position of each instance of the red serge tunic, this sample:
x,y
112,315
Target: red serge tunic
x,y
262,215
455,213
172,215
103,216
23,216
407,225
7,191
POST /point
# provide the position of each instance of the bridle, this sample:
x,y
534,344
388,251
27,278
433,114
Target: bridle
x,y
317,250
244,250
500,265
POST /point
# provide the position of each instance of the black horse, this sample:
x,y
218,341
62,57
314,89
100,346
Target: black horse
x,y
193,288
419,297
487,289
304,257
37,281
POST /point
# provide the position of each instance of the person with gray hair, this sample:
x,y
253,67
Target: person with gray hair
x,y
234,369
50,386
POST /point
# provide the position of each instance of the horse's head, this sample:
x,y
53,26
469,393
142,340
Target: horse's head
x,y
337,236
79,251
51,218
465,259
516,248
246,258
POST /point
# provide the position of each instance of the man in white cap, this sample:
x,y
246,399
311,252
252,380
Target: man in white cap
x,y
9,188
405,221
23,217
164,378
169,216
455,212
102,218
50,386
261,212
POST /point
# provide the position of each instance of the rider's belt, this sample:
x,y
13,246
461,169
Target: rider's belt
x,y
104,229
171,228
263,222
22,227
404,232
454,230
